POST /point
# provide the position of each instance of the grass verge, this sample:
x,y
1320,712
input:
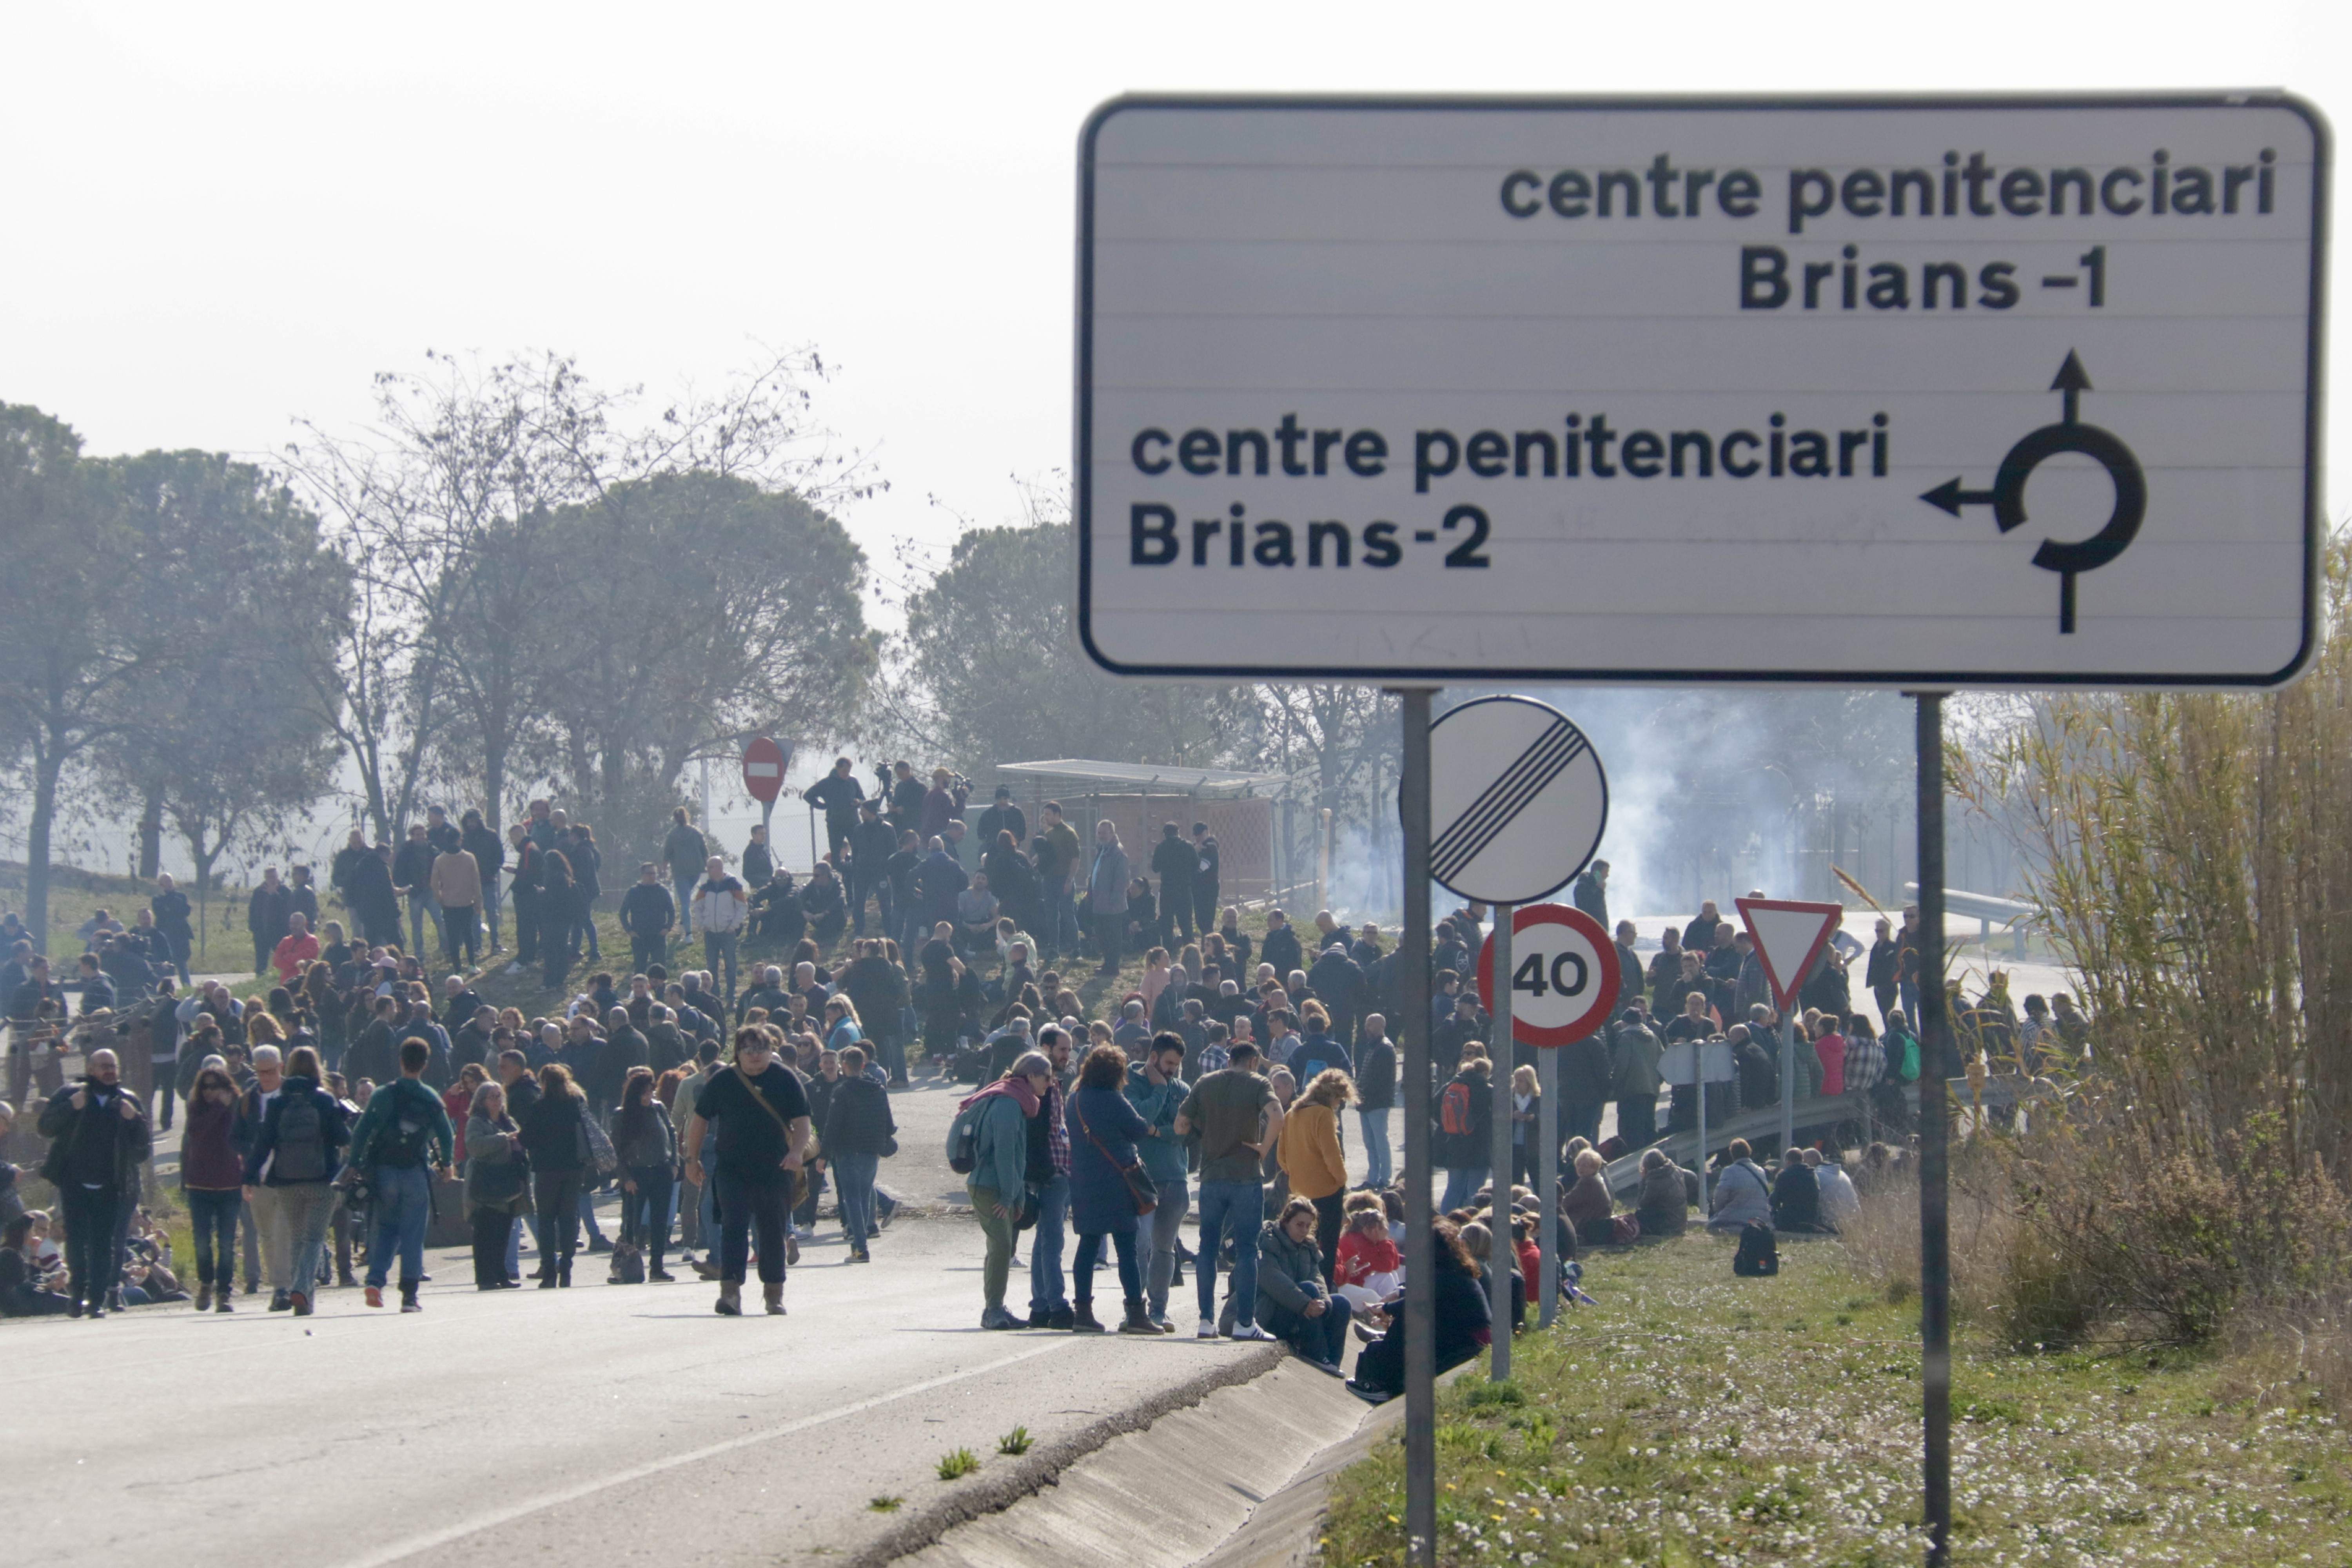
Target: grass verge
x,y
1693,1418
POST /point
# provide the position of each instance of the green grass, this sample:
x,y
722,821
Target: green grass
x,y
1015,1443
957,1463
222,942
1694,1417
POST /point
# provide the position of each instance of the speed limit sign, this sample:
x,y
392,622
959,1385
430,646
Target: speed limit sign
x,y
1563,974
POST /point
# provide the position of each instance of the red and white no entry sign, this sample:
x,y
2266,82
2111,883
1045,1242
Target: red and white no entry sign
x,y
1564,976
764,770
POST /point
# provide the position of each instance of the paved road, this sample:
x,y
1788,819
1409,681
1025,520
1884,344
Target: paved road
x,y
527,1424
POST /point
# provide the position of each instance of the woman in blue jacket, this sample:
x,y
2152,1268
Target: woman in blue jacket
x,y
1103,1132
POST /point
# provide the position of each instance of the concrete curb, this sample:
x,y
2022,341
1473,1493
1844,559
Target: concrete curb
x,y
1000,1488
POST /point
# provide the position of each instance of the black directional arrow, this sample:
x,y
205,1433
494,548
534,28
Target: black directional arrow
x,y
2072,382
1951,497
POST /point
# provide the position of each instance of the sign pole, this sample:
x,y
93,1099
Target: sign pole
x,y
1787,1077
1420,1241
1499,1051
1698,1068
1545,1286
1934,1220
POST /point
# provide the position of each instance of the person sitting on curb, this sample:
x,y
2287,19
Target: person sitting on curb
x,y
1293,1303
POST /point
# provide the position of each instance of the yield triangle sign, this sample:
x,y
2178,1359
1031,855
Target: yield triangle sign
x,y
1789,935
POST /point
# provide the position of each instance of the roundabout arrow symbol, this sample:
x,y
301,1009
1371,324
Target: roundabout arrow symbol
x,y
2007,497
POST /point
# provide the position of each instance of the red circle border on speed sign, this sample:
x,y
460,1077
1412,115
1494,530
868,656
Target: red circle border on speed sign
x,y
1527,918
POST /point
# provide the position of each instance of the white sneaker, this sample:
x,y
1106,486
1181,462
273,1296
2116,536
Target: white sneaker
x,y
1207,1331
1251,1331
514,969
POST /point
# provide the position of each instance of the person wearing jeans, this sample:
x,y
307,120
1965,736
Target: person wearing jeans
x,y
100,1136
859,1129
399,1134
720,908
1238,1118
1156,1092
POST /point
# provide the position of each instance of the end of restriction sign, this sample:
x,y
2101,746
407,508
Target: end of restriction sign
x,y
1564,975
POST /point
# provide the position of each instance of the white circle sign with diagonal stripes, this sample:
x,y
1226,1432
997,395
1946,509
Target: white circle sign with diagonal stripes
x,y
1516,800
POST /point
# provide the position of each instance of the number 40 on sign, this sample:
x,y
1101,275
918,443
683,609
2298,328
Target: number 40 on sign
x,y
1564,976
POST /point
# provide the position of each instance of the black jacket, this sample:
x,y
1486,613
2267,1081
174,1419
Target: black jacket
x,y
647,909
1005,818
265,913
1336,978
1173,860
858,1122
550,1134
759,864
489,854
1280,949
121,1144
411,864
1584,1073
1376,1070
871,844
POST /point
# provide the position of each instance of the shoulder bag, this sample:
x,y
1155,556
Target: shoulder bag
x,y
1140,1188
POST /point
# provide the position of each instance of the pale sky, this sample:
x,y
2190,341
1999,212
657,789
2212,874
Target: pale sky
x,y
219,218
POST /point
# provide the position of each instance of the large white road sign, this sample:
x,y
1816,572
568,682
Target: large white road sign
x,y
1945,391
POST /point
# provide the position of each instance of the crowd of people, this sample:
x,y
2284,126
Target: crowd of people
x,y
719,1103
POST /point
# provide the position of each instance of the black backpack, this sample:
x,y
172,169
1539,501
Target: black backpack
x,y
1756,1255
301,1155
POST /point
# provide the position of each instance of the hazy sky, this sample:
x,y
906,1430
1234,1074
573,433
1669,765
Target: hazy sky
x,y
218,217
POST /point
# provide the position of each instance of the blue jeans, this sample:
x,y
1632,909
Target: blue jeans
x,y
684,888
1046,1291
588,1208
1235,1209
1377,1168
514,1241
421,904
1462,1184
719,945
214,1216
403,1204
1061,921
853,1175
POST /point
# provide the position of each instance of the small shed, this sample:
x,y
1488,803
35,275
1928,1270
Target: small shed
x,y
1139,799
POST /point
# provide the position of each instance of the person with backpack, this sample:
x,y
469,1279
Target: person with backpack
x,y
762,1115
556,1137
298,1153
1742,1195
988,1145
860,1135
401,1132
1464,1139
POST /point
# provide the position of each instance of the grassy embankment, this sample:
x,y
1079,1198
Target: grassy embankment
x,y
1694,1417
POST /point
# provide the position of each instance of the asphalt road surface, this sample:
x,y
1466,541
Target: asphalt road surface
x,y
522,1425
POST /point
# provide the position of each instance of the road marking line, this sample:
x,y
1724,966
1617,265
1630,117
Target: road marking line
x,y
426,1542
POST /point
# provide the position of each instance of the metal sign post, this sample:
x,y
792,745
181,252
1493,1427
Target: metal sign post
x,y
1499,1052
1934,1218
1546,1285
1420,1239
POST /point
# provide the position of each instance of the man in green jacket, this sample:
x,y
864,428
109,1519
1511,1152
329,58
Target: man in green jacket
x,y
999,1179
1157,1093
399,1134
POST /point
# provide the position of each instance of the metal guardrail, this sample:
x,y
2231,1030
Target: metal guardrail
x,y
1761,1128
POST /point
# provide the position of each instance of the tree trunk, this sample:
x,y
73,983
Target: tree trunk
x,y
47,764
150,834
494,787
203,860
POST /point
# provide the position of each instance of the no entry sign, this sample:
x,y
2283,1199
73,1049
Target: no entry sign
x,y
1982,392
764,770
1564,976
